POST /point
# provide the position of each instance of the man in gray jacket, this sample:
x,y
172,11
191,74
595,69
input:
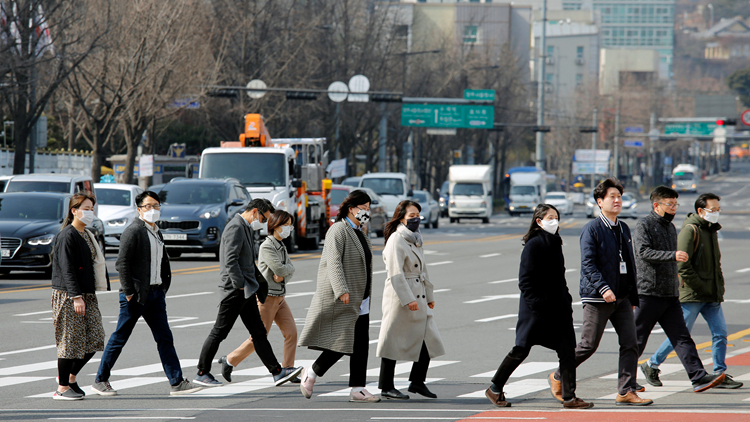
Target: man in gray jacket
x,y
241,282
656,258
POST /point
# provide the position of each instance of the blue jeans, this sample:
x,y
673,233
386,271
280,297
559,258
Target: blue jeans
x,y
154,311
714,316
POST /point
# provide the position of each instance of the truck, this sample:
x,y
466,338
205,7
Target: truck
x,y
290,173
527,190
685,178
470,192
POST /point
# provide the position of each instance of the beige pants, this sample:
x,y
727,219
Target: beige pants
x,y
274,310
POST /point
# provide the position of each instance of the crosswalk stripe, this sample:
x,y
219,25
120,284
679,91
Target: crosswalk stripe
x,y
7,381
291,295
404,367
666,369
32,367
495,318
259,371
653,393
496,297
525,369
503,281
235,388
195,324
398,383
514,389
150,369
33,349
118,385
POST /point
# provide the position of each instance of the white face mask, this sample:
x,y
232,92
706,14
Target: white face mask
x,y
151,216
86,217
362,216
711,217
285,231
550,226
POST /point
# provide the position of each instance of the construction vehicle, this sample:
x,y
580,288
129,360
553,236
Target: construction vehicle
x,y
288,172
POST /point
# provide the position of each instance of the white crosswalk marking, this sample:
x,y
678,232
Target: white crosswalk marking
x,y
235,388
496,297
523,370
404,367
150,369
32,367
653,393
33,349
398,383
666,369
514,389
260,371
118,385
495,318
6,381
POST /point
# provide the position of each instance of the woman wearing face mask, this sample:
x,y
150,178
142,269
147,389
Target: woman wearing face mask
x,y
276,266
408,330
545,311
78,271
338,321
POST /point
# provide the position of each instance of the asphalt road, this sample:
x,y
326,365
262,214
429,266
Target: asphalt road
x,y
474,269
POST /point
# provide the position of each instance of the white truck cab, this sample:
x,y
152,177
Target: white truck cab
x,y
470,188
392,188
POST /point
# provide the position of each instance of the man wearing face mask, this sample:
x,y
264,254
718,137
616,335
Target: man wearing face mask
x,y
145,276
656,258
701,287
242,287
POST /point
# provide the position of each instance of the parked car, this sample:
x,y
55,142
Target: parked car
x,y
391,187
561,201
444,199
338,194
351,181
629,206
195,211
29,222
117,209
378,212
430,209
156,188
52,182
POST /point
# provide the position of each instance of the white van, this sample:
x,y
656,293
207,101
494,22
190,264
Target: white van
x,y
470,192
392,188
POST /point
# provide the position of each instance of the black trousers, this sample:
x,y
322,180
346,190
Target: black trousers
x,y
668,313
418,370
233,306
567,370
358,358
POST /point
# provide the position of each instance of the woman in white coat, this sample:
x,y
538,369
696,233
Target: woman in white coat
x,y
408,330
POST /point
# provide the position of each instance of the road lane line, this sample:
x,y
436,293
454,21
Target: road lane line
x,y
33,349
744,270
495,318
441,290
298,282
496,297
490,255
524,370
190,294
34,313
291,295
380,272
195,324
503,281
434,264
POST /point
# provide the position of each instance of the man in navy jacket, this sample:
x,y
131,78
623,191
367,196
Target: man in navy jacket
x,y
608,291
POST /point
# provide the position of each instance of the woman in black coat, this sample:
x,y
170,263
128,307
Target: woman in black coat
x,y
545,312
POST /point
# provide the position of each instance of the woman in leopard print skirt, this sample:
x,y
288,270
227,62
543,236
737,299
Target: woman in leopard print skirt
x,y
78,271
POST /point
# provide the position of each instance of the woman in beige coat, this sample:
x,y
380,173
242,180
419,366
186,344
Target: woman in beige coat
x,y
408,330
339,317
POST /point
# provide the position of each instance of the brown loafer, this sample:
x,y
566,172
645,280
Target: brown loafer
x,y
577,403
632,399
496,399
555,387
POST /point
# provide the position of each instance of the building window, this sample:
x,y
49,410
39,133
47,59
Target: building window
x,y
470,34
579,52
579,79
550,78
550,51
402,31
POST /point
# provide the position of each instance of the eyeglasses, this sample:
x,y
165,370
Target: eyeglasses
x,y
149,207
712,210
674,205
363,209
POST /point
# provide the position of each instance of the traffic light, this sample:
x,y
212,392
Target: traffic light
x,y
223,93
726,122
301,95
386,98
588,129
543,129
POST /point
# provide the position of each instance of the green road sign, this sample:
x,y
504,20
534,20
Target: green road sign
x,y
698,129
448,116
479,94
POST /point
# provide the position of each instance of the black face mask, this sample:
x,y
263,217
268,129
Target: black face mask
x,y
669,217
413,224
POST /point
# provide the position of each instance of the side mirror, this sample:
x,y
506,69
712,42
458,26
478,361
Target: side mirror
x,y
297,171
296,183
410,193
237,202
489,193
374,202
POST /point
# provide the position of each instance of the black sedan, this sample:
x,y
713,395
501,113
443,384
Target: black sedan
x,y
195,211
29,223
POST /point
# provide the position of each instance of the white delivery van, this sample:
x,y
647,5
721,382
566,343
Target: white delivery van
x,y
470,194
392,188
685,178
527,190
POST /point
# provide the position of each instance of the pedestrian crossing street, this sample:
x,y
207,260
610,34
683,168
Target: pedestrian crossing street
x,y
528,379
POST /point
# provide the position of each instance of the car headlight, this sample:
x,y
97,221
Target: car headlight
x,y
674,185
693,185
41,240
118,223
210,214
484,203
453,204
281,204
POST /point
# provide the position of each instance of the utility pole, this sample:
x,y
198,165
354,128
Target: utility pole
x,y
383,130
542,57
617,140
651,163
593,152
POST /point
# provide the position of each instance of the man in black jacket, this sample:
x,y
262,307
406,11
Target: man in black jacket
x,y
656,259
242,286
145,277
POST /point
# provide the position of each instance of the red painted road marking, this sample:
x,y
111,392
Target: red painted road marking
x,y
590,416
743,359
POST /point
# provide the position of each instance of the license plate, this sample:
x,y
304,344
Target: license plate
x,y
174,236
6,253
523,206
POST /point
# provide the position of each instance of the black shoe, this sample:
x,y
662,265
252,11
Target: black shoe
x,y
639,388
74,386
226,369
651,374
728,383
295,380
394,394
422,390
708,381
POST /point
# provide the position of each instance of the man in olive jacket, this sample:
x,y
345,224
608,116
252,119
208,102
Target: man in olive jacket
x,y
702,282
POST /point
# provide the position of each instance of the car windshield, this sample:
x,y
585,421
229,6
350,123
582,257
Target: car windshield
x,y
444,188
684,176
192,193
468,189
627,197
37,186
555,196
338,196
117,197
421,197
384,186
522,190
251,169
30,208
351,181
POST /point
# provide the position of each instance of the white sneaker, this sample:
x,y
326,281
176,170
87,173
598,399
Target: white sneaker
x,y
363,396
306,386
